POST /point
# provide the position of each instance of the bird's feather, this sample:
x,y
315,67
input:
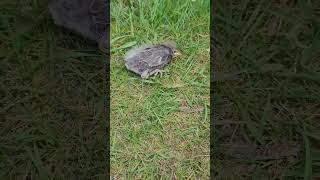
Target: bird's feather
x,y
148,58
134,51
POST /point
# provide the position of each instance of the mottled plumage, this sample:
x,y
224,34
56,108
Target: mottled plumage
x,y
150,59
85,17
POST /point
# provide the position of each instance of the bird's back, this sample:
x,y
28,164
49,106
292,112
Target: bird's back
x,y
147,58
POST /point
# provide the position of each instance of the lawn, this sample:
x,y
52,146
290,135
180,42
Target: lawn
x,y
160,126
266,90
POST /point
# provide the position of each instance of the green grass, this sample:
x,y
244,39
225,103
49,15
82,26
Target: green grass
x,y
266,93
154,133
267,89
51,98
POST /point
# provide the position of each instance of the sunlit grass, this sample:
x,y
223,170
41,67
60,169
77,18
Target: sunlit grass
x,y
160,127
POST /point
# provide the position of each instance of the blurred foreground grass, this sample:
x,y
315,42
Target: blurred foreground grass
x,y
267,89
51,98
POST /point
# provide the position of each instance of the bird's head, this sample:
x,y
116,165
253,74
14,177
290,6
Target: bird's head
x,y
176,53
173,47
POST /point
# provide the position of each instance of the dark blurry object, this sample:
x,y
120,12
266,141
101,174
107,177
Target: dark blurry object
x,y
88,18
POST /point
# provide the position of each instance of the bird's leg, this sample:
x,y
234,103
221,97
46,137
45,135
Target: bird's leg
x,y
145,75
157,71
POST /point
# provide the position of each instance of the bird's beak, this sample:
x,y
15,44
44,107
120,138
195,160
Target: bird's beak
x,y
178,53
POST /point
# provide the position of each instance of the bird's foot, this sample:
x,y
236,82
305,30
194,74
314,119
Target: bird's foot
x,y
158,71
147,74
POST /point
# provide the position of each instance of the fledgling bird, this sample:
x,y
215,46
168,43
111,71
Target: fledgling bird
x,y
149,60
85,17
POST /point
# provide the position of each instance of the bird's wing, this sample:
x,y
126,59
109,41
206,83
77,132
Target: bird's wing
x,y
156,57
136,52
156,61
152,55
